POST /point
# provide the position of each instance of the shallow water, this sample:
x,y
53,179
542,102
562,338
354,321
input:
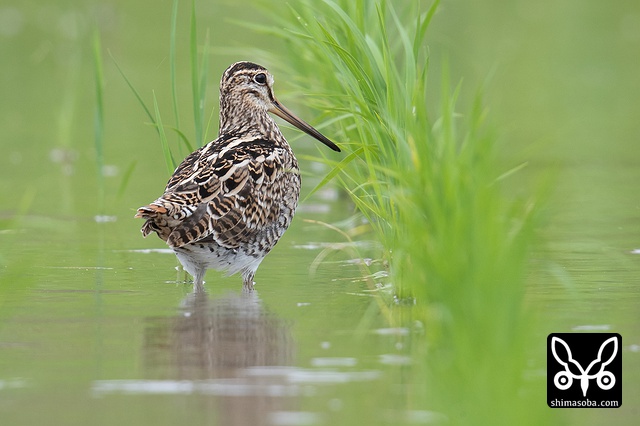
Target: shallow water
x,y
98,327
109,334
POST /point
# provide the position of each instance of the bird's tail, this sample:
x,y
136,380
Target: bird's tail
x,y
151,213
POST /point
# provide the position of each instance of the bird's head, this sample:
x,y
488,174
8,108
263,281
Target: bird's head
x,y
250,87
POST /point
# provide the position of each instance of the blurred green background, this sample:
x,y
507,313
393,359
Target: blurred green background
x,y
79,310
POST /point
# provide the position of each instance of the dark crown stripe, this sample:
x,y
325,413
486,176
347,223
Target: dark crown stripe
x,y
242,66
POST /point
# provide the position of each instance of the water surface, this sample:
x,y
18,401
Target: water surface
x,y
98,327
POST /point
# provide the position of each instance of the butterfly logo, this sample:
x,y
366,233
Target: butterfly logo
x,y
573,370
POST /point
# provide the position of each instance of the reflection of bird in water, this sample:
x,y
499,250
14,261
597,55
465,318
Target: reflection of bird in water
x,y
216,336
229,202
217,340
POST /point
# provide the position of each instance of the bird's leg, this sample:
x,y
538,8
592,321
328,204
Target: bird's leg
x,y
198,280
247,281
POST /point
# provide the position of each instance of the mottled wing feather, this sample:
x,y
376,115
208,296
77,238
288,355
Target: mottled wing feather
x,y
222,194
194,163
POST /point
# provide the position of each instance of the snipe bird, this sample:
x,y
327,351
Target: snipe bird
x,y
228,203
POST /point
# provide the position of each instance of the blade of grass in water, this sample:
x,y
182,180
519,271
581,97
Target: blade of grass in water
x,y
166,151
98,122
202,94
196,90
133,89
172,62
126,178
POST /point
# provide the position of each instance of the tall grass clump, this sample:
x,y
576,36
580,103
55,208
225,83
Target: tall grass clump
x,y
427,181
199,62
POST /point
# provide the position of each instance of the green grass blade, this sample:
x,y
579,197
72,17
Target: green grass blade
x,y
423,25
195,78
338,168
126,178
202,93
166,151
172,61
133,89
99,115
183,138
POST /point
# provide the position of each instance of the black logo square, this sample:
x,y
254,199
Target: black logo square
x,y
584,370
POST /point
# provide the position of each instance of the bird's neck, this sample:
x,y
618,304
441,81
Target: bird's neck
x,y
239,119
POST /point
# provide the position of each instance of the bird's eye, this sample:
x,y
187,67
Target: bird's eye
x,y
260,78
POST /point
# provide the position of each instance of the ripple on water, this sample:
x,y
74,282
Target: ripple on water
x,y
218,387
294,418
334,362
283,381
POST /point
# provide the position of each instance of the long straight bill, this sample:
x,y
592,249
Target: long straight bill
x,y
284,113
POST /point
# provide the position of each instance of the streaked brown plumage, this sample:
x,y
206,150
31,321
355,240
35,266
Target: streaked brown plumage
x,y
228,203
